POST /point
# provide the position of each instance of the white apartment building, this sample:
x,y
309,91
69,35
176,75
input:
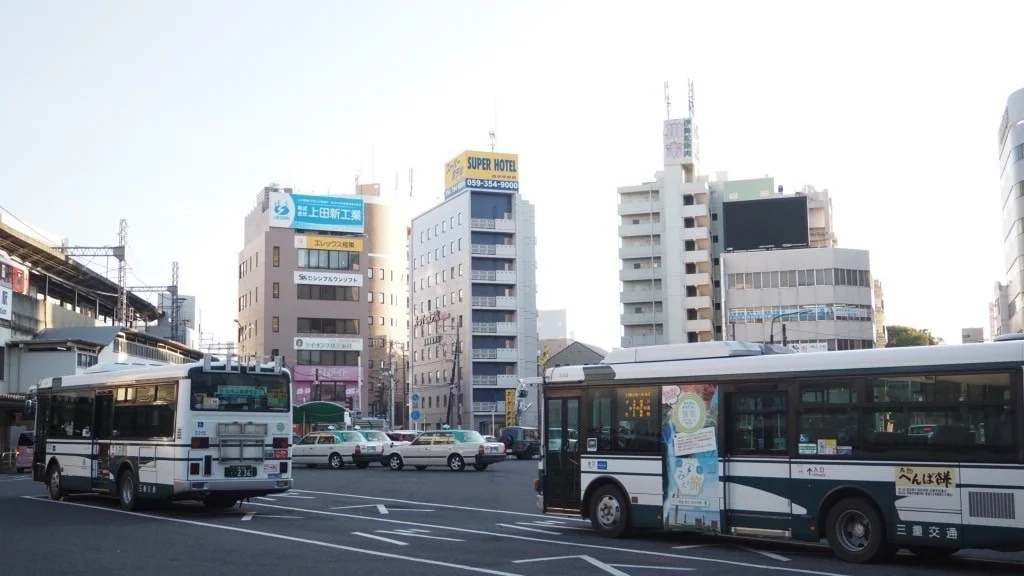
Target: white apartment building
x,y
972,335
671,242
814,299
999,311
881,337
474,290
1011,161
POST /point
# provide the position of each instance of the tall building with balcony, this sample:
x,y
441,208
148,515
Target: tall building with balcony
x,y
387,294
1010,142
881,338
474,324
302,292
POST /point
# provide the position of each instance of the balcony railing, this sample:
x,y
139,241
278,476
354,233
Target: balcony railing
x,y
503,328
148,352
498,225
507,302
495,354
497,407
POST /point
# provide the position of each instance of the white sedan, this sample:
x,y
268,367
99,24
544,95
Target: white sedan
x,y
452,448
335,448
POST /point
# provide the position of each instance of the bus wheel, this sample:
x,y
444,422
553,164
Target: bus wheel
x,y
53,482
128,490
856,532
609,513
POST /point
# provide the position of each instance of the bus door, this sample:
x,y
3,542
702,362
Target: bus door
x,y
102,434
756,466
562,454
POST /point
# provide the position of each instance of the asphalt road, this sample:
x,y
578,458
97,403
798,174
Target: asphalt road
x,y
373,521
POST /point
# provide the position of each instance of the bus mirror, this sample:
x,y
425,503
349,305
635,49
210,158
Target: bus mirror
x,y
30,408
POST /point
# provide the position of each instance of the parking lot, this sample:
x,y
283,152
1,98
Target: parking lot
x,y
433,521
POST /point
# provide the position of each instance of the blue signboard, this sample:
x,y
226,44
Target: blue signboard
x,y
324,213
415,415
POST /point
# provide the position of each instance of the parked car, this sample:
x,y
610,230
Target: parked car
x,y
452,448
521,441
403,435
23,453
384,440
335,448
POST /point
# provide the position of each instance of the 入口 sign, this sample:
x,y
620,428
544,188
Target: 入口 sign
x,y
328,278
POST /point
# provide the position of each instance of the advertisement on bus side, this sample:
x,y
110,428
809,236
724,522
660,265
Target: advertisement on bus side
x,y
689,433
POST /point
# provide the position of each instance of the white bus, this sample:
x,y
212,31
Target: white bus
x,y
873,450
216,431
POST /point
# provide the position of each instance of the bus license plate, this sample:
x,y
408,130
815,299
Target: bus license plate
x,y
240,472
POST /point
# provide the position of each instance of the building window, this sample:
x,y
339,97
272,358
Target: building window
x,y
275,324
369,297
328,259
277,257
276,289
319,292
460,217
327,326
460,269
369,273
460,244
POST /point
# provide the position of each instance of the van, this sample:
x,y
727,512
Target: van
x,y
23,453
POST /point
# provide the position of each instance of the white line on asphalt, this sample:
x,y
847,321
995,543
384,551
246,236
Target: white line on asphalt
x,y
771,567
651,567
434,505
414,535
771,555
283,537
528,529
381,538
356,506
248,516
296,496
408,510
382,509
592,561
282,517
688,546
267,499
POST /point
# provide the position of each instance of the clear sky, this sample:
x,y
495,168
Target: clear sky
x,y
174,115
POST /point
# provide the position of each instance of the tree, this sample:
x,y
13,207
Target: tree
x,y
542,360
900,336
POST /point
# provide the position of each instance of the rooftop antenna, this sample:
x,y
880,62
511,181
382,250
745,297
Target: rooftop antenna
x,y
410,182
668,103
357,182
494,130
689,87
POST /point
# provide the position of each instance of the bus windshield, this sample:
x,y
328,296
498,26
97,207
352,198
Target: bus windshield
x,y
234,392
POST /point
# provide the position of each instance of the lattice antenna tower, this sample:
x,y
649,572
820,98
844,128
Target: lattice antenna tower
x,y
121,318
689,90
668,103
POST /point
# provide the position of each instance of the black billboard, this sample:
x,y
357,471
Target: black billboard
x,y
765,224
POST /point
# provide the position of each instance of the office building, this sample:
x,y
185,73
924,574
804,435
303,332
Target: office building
x,y
972,335
881,336
302,291
672,237
387,293
814,299
999,311
1010,143
474,317
551,324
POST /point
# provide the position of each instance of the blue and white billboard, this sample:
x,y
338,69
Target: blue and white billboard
x,y
324,213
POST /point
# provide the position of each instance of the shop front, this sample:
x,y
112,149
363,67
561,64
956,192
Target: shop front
x,y
325,383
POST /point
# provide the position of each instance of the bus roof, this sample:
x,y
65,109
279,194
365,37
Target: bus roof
x,y
128,373
741,358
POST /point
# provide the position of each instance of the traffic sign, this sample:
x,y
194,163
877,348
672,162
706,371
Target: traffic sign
x,y
415,415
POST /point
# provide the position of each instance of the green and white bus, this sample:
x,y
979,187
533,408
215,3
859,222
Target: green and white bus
x,y
217,432
872,450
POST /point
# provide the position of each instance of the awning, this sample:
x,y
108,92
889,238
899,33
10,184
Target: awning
x,y
319,412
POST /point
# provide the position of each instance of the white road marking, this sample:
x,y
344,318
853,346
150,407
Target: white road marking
x,y
381,538
592,561
248,516
409,510
382,509
651,567
434,505
267,499
581,545
296,496
528,529
688,546
283,537
350,507
771,555
283,517
415,535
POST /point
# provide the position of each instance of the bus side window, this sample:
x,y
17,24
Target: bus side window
x,y
759,424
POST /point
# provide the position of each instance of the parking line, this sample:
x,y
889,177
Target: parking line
x,y
296,496
771,555
771,567
267,499
529,529
382,509
652,567
283,537
434,505
248,516
381,538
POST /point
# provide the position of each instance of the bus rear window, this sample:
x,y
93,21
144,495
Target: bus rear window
x,y
231,392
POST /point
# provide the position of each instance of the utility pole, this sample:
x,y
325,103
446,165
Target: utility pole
x,y
391,377
121,307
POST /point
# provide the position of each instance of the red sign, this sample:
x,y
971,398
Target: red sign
x,y
280,454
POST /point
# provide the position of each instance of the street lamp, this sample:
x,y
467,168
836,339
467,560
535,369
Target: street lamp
x,y
783,315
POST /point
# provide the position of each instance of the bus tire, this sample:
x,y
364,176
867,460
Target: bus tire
x,y
609,512
856,532
54,482
128,490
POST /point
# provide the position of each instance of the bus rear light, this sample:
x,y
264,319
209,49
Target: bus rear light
x,y
193,468
282,483
280,443
200,442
